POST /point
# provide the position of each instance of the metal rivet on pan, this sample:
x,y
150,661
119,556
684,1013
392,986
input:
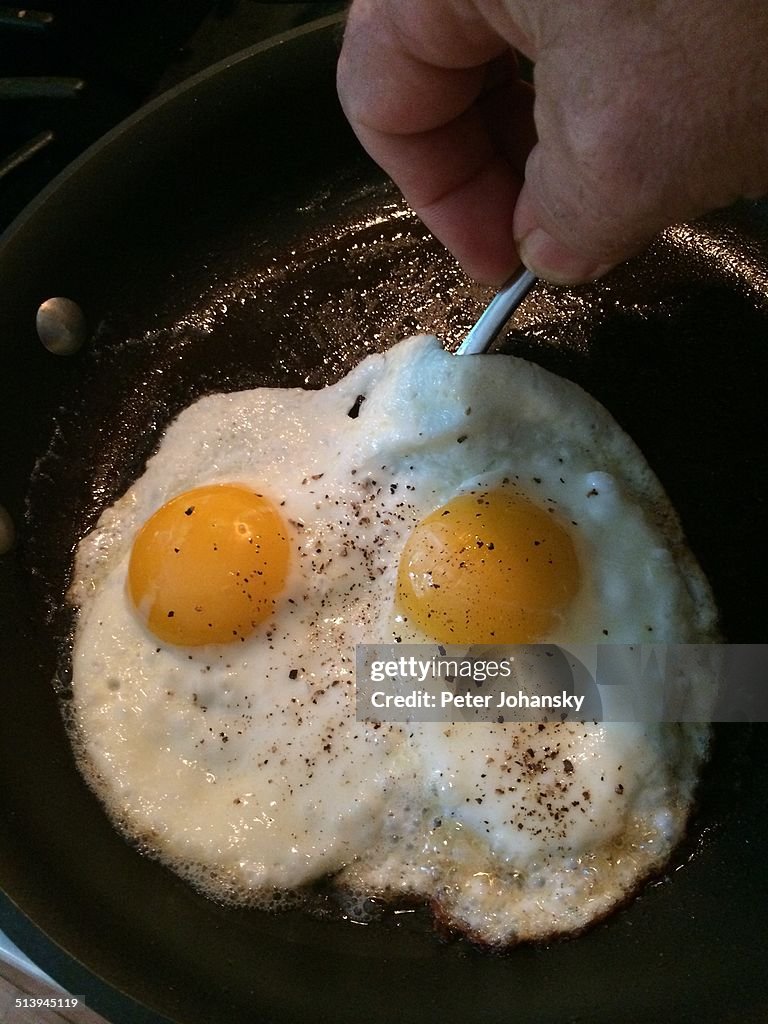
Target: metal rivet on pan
x,y
61,326
7,532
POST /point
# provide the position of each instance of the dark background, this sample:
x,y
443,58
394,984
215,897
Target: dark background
x,y
72,69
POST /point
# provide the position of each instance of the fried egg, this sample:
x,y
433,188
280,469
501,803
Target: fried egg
x,y
423,497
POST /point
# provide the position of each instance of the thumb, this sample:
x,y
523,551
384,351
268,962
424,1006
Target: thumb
x,y
576,217
632,138
546,255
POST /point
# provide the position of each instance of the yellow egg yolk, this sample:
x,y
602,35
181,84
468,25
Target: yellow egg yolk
x,y
209,566
488,567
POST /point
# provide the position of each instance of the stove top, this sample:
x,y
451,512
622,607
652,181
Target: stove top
x,y
71,72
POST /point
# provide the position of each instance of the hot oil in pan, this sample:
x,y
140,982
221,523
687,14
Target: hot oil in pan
x,y
643,343
296,317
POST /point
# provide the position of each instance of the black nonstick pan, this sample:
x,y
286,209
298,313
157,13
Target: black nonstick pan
x,y
232,234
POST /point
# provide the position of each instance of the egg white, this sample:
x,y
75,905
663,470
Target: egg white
x,y
243,765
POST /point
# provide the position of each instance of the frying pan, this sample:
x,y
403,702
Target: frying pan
x,y
232,234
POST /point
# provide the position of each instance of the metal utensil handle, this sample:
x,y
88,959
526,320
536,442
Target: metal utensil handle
x,y
499,310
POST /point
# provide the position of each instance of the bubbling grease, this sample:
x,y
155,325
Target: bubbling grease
x,y
428,854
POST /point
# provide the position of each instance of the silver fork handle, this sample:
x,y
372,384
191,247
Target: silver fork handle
x,y
499,310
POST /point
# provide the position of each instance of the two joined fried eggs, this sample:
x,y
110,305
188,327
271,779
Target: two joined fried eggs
x,y
473,500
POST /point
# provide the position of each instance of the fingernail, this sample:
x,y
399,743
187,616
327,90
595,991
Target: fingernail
x,y
549,259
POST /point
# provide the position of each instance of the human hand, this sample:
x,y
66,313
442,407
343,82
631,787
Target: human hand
x,y
645,114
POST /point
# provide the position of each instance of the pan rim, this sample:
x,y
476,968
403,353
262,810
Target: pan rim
x,y
127,124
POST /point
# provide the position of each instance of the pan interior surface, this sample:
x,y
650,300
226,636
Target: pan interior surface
x,y
216,258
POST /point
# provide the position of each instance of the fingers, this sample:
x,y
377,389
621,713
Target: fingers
x,y
645,114
423,108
